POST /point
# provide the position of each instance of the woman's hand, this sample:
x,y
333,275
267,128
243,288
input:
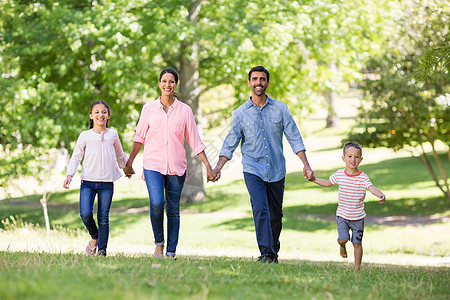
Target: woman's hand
x,y
210,174
128,170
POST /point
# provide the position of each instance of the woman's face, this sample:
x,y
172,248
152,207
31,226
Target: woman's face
x,y
167,84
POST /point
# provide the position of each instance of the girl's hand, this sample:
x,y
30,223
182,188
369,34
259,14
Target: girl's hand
x,y
128,170
67,181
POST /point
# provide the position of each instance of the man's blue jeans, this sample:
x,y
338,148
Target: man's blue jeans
x,y
105,191
267,206
171,186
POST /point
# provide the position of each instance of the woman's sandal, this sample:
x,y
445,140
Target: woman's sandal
x,y
157,255
90,251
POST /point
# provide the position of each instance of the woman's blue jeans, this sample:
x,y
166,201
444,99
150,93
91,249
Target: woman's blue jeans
x,y
171,186
105,192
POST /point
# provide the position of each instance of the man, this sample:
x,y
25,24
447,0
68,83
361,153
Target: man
x,y
259,125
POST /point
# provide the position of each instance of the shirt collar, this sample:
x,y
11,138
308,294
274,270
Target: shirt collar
x,y
173,106
250,102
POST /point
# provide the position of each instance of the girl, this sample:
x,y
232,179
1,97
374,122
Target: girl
x,y
161,128
101,148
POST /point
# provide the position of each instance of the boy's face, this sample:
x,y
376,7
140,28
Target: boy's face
x,y
352,158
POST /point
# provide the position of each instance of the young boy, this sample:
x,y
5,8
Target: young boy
x,y
352,191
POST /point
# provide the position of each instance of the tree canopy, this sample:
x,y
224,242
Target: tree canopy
x,y
57,57
401,110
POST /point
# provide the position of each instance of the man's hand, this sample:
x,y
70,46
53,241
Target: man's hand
x,y
308,173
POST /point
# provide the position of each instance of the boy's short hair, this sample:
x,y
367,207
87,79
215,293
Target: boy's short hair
x,y
352,144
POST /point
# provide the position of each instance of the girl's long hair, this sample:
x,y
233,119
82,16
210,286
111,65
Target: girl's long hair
x,y
91,122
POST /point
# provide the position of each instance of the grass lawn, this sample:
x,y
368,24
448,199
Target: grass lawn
x,y
69,276
406,248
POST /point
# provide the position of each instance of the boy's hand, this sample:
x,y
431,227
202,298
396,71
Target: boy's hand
x,y
382,199
308,173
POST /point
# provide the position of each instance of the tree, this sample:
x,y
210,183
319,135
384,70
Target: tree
x,y
401,111
60,56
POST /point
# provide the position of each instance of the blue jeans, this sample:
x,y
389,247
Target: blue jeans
x,y
172,185
267,206
105,192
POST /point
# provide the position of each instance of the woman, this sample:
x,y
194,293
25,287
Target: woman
x,y
161,128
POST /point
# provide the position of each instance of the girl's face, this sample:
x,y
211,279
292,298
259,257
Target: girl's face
x,y
99,115
167,84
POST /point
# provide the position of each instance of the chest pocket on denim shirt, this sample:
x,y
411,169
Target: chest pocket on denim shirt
x,y
249,129
276,124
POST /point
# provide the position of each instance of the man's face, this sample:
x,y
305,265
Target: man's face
x,y
258,83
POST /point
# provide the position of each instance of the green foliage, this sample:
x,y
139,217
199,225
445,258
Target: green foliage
x,y
401,110
57,57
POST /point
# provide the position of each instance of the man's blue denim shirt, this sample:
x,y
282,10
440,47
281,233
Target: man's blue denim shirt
x,y
260,131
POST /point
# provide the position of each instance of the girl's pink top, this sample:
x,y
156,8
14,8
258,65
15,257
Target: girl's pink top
x,y
103,155
163,137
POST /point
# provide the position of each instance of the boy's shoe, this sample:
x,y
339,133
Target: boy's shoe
x,y
101,252
266,259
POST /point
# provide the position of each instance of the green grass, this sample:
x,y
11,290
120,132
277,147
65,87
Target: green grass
x,y
217,243
66,276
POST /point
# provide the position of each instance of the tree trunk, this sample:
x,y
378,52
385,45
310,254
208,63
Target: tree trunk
x,y
194,189
44,207
330,97
427,164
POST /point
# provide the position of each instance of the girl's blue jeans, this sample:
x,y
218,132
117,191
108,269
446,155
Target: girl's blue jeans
x,y
88,191
165,191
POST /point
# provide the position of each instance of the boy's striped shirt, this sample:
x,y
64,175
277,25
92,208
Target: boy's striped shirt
x,y
352,191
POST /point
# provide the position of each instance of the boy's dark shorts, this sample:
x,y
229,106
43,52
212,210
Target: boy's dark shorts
x,y
344,226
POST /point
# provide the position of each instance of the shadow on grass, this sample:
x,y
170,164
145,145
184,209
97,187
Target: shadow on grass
x,y
310,218
309,224
393,173
221,197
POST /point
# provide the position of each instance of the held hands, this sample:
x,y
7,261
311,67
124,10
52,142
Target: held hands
x,y
308,173
212,175
128,170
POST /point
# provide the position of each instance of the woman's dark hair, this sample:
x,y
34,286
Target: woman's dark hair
x,y
258,69
91,122
171,71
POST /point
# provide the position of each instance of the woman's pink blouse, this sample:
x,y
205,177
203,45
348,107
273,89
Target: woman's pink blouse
x,y
163,137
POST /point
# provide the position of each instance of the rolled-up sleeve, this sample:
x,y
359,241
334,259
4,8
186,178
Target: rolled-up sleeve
x,y
142,127
233,138
291,131
192,135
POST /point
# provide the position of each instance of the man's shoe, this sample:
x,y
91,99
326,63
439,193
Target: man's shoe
x,y
275,260
265,259
101,252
